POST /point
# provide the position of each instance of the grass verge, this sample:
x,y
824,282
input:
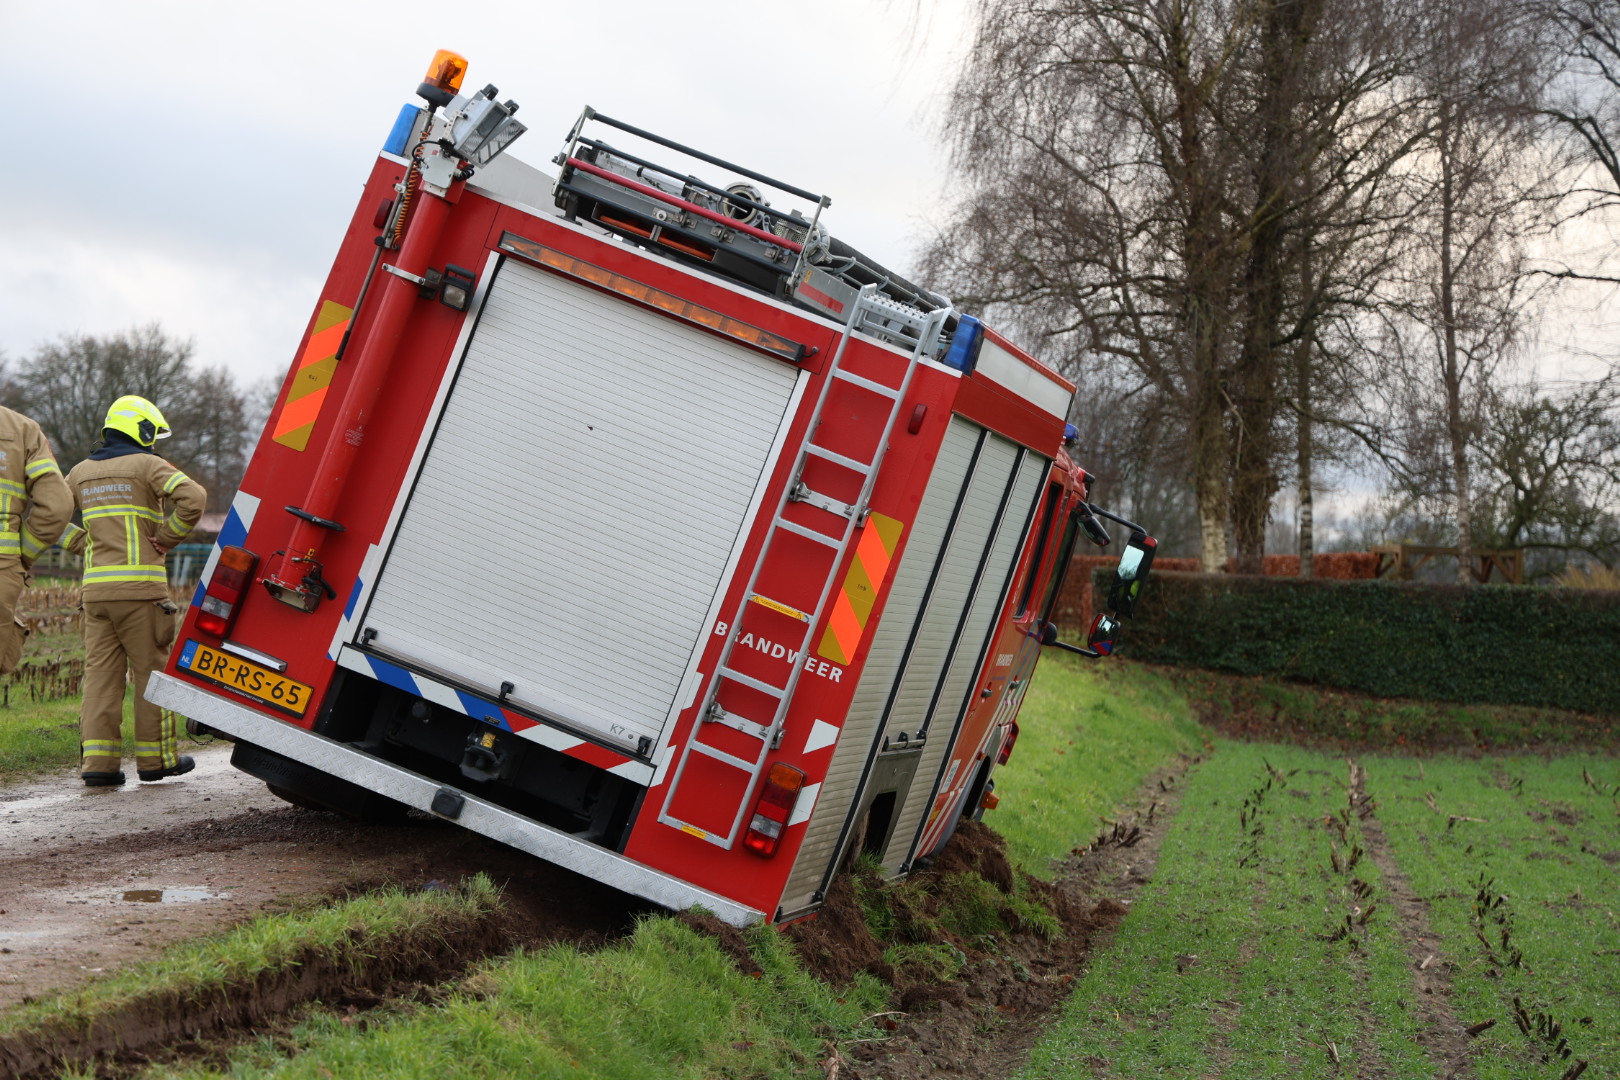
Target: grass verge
x,y
43,737
38,737
1091,733
256,970
1519,859
667,1002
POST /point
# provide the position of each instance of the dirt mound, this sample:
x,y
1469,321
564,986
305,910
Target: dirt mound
x,y
981,1018
835,943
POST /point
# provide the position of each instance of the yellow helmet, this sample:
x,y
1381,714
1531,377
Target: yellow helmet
x,y
138,418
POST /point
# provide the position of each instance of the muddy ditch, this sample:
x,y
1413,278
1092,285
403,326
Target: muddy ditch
x,y
985,1021
982,1021
364,966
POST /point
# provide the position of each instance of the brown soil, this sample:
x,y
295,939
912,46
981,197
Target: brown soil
x,y
96,878
985,1023
170,1022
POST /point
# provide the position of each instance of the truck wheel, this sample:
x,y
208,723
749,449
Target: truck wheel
x,y
286,795
306,786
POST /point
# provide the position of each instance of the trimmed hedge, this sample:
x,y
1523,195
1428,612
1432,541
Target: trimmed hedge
x,y
1521,645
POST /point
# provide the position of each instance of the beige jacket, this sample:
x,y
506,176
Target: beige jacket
x,y
128,502
35,504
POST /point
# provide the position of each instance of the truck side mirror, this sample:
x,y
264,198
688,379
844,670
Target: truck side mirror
x,y
1101,635
1099,642
1134,563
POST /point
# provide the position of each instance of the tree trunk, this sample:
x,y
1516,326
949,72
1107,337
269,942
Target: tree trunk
x,y
1450,366
1307,537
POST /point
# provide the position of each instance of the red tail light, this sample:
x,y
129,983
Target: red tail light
x,y
776,798
232,575
1008,743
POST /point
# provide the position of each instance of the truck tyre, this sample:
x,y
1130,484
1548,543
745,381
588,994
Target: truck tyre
x,y
308,787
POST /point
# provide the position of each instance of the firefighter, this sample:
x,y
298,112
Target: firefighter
x,y
121,490
35,506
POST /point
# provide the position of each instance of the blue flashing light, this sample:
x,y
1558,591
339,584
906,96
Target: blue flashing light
x,y
963,354
400,136
1071,434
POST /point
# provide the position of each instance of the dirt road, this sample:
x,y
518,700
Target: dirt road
x,y
93,878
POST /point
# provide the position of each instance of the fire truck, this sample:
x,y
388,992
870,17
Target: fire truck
x,y
632,520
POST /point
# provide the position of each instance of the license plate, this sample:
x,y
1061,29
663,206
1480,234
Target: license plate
x,y
256,682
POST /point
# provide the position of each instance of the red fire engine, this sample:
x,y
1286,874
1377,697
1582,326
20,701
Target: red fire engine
x,y
637,523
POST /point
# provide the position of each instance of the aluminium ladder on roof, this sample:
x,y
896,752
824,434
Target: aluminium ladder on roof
x,y
871,314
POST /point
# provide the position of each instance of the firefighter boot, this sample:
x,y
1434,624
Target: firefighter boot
x,y
184,765
102,779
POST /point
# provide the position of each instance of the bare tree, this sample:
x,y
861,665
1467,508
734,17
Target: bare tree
x,y
1138,178
1458,311
1550,472
68,384
1096,197
1584,98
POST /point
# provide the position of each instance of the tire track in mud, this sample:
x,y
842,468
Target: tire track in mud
x,y
1443,1037
90,883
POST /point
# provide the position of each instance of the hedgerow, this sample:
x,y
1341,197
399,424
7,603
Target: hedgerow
x,y
1500,644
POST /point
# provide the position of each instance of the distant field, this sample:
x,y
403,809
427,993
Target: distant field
x,y
1273,940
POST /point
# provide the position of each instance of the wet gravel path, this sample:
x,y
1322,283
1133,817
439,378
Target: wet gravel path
x,y
95,878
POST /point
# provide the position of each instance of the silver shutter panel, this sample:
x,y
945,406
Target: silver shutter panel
x,y
907,592
967,658
573,517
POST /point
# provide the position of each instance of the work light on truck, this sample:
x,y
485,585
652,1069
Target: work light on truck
x,y
776,798
232,573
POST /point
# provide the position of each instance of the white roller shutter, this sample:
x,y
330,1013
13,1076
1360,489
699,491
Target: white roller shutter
x,y
578,506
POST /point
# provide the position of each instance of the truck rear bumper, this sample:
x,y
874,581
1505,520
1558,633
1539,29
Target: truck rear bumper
x,y
483,817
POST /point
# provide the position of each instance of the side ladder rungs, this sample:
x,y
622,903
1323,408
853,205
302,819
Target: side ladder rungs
x,y
890,392
809,534
748,680
862,467
802,492
720,755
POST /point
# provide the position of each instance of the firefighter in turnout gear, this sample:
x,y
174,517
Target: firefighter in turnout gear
x,y
135,506
35,506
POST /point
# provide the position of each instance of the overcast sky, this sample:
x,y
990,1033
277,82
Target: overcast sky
x,y
194,164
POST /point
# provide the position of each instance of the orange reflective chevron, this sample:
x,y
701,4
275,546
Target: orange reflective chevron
x,y
852,607
313,377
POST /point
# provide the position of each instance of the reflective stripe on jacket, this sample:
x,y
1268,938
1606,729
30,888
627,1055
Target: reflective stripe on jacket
x,y
122,500
35,504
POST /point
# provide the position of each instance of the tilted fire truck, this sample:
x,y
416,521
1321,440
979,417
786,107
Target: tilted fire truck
x,y
635,522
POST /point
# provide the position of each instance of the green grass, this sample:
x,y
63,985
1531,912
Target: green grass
x,y
1230,963
1091,732
36,738
42,738
1276,710
348,933
665,1003
1548,842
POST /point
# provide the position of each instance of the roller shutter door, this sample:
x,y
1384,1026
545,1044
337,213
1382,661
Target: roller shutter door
x,y
593,468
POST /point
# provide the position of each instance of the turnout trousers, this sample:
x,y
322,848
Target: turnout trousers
x,y
12,631
133,637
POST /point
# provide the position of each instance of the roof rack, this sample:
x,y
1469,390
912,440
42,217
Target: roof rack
x,y
733,230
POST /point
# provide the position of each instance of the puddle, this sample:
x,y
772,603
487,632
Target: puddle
x,y
168,896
